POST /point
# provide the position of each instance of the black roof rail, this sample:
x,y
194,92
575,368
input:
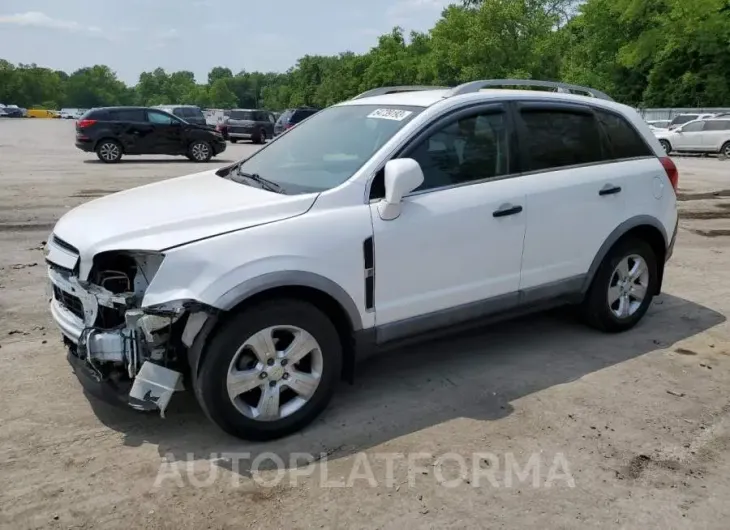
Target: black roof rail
x,y
475,86
393,89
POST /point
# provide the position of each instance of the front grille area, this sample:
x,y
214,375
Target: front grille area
x,y
69,301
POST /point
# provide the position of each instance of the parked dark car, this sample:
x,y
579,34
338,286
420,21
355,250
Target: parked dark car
x,y
111,132
290,117
13,111
189,113
247,124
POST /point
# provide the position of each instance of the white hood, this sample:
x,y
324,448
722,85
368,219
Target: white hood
x,y
173,212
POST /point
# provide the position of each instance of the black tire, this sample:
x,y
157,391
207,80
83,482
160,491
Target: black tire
x,y
596,310
260,138
234,140
109,151
210,384
725,150
200,151
666,146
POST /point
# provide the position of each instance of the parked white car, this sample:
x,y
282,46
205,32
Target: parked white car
x,y
699,136
681,119
71,114
396,215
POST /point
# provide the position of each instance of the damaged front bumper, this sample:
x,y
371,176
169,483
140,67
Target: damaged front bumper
x,y
136,360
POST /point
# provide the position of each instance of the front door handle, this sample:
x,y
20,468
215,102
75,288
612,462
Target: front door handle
x,y
507,209
609,189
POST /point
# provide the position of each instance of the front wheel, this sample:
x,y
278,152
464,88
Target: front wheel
x,y
623,287
234,140
270,370
200,151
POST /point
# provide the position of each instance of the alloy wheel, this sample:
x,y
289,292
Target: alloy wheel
x,y
109,151
628,286
200,151
275,373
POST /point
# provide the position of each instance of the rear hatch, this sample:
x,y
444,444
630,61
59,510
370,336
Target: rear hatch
x,y
241,122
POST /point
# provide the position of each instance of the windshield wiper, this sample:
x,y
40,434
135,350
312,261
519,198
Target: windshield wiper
x,y
266,184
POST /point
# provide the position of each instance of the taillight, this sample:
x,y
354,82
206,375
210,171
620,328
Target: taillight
x,y
671,169
288,126
82,124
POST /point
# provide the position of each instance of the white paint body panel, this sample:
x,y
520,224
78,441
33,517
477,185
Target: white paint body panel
x,y
172,212
446,249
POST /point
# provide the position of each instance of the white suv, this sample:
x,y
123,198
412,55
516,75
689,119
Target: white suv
x,y
378,220
710,135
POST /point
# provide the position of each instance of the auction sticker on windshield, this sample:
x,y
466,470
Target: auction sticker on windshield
x,y
390,114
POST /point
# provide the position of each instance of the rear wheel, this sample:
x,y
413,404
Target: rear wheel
x,y
109,151
623,287
666,146
200,151
270,370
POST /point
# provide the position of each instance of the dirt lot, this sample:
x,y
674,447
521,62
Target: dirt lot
x,y
639,421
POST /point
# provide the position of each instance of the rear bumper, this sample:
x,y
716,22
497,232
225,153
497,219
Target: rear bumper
x,y
241,135
85,145
670,248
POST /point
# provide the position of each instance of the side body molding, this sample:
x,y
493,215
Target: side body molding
x,y
618,233
291,279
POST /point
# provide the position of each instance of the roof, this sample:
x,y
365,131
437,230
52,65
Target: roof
x,y
426,98
176,106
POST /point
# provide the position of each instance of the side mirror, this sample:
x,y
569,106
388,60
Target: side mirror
x,y
402,176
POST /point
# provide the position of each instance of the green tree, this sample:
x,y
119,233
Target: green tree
x,y
221,96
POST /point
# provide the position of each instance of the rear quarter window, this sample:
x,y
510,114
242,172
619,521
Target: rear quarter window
x,y
301,115
624,140
95,114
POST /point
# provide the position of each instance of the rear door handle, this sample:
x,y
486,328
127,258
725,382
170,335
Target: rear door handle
x,y
507,209
609,189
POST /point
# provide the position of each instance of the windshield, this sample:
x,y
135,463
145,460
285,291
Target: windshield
x,y
328,148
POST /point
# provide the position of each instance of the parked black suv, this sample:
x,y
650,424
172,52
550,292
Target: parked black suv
x,y
290,117
247,124
111,132
189,113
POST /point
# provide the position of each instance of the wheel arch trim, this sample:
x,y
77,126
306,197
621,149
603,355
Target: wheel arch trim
x,y
619,232
291,278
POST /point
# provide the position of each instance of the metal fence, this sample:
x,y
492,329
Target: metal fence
x,y
668,114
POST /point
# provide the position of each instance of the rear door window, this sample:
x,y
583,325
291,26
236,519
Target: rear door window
x,y
159,118
558,137
134,115
625,142
301,115
717,125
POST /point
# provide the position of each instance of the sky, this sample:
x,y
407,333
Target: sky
x,y
132,36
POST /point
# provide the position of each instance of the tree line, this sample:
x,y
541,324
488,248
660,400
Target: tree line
x,y
650,53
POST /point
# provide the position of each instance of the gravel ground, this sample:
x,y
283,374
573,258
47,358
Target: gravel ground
x,y
629,431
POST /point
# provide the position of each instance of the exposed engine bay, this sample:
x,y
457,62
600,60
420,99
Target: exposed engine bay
x,y
139,352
